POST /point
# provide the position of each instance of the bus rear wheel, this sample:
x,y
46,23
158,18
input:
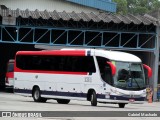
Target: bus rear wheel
x,y
93,99
121,105
63,101
37,95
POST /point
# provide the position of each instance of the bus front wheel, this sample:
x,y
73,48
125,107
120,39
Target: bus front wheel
x,y
121,105
93,99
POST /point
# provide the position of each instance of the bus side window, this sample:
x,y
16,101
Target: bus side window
x,y
85,64
57,63
105,70
108,75
79,64
101,63
21,62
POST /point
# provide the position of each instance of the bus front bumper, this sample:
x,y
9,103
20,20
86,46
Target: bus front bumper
x,y
119,101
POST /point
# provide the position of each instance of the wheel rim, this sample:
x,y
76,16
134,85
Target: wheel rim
x,y
36,94
92,98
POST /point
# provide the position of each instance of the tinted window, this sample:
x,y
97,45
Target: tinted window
x,y
56,63
105,70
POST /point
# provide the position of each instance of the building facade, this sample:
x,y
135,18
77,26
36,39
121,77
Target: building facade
x,y
61,5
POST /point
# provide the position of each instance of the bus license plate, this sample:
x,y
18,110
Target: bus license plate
x,y
131,100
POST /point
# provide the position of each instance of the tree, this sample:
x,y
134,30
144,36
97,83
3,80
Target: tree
x,y
137,6
156,5
121,6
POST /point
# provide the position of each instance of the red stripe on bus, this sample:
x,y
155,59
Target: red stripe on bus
x,y
54,52
10,74
50,72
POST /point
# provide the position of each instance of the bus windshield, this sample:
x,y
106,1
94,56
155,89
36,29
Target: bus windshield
x,y
129,76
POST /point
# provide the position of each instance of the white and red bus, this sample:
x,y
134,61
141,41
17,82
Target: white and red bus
x,y
9,79
81,74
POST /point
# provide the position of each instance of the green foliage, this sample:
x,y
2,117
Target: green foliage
x,y
121,6
137,6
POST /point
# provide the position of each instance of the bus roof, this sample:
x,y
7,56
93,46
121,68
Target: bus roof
x,y
118,56
112,55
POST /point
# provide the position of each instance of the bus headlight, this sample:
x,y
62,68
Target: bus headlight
x,y
116,92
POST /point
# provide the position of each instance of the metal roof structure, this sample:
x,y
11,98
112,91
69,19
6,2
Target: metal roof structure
x,y
86,17
105,30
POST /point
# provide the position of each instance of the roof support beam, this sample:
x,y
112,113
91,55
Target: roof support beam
x,y
141,41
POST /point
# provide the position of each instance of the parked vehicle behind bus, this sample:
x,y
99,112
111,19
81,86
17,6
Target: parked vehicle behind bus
x,y
81,74
9,79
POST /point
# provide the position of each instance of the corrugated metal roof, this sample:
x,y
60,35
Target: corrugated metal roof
x,y
86,17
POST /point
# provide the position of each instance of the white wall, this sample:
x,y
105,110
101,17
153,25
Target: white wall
x,y
50,5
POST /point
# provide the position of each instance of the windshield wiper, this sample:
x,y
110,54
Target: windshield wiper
x,y
136,82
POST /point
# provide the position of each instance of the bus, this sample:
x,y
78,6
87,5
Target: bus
x,y
9,79
94,75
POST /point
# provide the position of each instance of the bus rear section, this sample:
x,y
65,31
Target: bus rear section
x,y
9,79
57,74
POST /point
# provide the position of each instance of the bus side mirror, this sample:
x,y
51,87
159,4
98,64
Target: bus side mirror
x,y
147,70
113,68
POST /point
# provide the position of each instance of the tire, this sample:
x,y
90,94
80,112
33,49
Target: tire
x,y
121,105
93,99
9,90
43,100
63,101
37,95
